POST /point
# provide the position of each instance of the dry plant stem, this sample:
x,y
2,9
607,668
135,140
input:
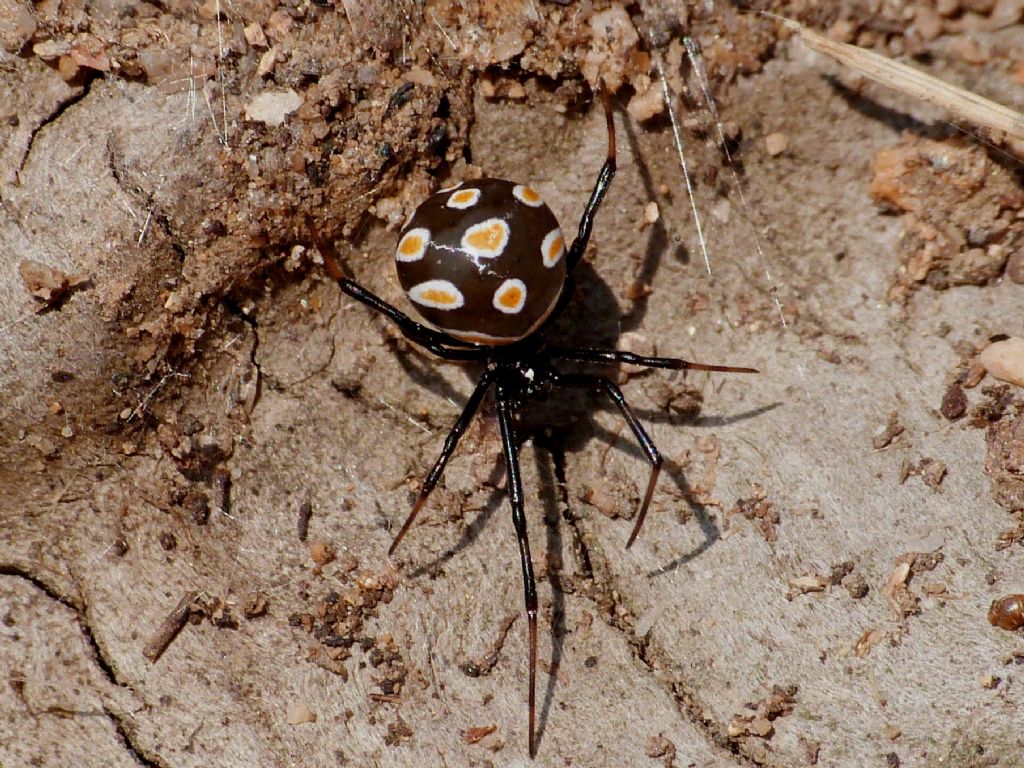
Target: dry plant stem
x,y
169,628
1001,124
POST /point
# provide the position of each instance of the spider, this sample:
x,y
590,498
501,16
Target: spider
x,y
484,262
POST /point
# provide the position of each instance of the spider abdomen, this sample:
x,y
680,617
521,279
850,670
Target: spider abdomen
x,y
483,261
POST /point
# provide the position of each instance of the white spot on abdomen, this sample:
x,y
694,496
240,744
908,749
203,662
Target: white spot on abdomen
x,y
413,245
439,294
510,297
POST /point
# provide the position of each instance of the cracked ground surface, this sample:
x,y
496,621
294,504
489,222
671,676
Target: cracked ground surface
x,y
207,415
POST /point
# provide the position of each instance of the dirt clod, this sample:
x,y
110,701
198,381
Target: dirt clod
x,y
321,552
255,605
1004,461
398,732
759,510
47,285
956,205
954,402
779,703
892,429
478,733
337,622
659,746
856,585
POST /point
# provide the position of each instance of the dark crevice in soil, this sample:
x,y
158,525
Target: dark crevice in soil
x,y
142,756
254,353
555,499
40,583
80,609
605,595
53,117
579,542
102,662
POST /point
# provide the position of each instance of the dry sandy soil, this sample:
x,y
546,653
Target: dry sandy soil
x,y
192,415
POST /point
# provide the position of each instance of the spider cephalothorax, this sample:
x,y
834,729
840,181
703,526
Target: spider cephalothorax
x,y
486,264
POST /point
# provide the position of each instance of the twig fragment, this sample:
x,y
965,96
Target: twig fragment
x,y
169,628
1000,124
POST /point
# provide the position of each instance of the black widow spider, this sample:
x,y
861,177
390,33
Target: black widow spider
x,y
483,261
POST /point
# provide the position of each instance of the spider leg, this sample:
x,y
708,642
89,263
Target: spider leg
x,y
604,180
450,443
590,355
440,344
515,493
590,381
436,342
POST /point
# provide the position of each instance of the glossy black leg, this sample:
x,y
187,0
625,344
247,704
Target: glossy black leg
x,y
604,180
450,443
515,494
609,356
588,381
440,344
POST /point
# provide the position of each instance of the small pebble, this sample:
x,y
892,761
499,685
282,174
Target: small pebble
x,y
254,35
1005,360
299,713
776,143
321,552
927,22
646,104
273,107
1015,264
1007,613
651,213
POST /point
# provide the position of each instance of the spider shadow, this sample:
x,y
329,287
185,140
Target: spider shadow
x,y
555,503
470,533
553,554
673,471
554,561
425,373
659,243
579,410
697,419
574,440
592,318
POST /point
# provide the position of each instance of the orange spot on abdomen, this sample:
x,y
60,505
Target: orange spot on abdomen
x,y
411,245
511,297
488,238
438,296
